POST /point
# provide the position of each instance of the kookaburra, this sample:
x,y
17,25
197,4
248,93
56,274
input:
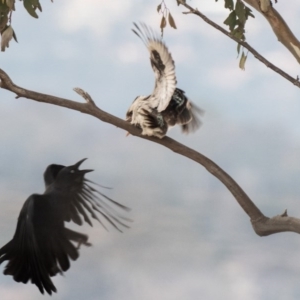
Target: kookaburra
x,y
167,105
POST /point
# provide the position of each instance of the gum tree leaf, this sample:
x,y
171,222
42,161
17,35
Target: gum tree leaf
x,y
163,23
3,8
15,36
10,4
241,11
238,48
243,61
6,37
36,4
229,4
249,12
239,32
231,20
3,22
30,8
158,8
171,21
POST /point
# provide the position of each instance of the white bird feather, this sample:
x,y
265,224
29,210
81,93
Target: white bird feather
x,y
162,65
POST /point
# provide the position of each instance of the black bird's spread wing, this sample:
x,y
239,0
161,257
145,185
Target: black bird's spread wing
x,y
162,65
23,252
76,197
41,246
88,202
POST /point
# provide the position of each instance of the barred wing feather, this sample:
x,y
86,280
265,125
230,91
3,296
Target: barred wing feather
x,y
162,65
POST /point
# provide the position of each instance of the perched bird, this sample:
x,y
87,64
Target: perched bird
x,y
42,246
167,105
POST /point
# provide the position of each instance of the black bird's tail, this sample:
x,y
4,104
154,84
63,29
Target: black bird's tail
x,y
28,262
25,265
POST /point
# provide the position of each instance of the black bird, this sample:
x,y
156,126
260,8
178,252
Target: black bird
x,y
42,246
167,105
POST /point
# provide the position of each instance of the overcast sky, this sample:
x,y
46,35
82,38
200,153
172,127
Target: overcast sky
x,y
189,239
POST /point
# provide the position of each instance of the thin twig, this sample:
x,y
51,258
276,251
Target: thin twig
x,y
85,95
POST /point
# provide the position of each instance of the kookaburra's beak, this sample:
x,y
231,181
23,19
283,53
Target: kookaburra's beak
x,y
127,134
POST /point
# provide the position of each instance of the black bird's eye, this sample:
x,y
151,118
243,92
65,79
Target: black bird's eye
x,y
72,171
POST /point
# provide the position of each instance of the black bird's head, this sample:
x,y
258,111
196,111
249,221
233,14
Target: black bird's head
x,y
50,174
70,177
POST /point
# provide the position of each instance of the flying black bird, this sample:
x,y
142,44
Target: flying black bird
x,y
42,246
167,105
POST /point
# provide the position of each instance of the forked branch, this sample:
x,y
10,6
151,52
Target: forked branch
x,y
262,225
278,25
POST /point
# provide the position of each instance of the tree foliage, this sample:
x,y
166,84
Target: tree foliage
x,y
6,10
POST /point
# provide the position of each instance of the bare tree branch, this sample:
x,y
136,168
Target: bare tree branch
x,y
279,26
261,224
196,12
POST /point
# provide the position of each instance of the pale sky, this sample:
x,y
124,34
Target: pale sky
x,y
189,239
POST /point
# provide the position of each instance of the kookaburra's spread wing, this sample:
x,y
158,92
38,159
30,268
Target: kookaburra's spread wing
x,y
162,65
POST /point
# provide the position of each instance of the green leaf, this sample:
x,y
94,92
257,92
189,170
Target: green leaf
x,y
3,9
249,12
243,61
231,20
10,4
239,32
3,22
36,4
15,36
241,11
171,21
30,8
238,48
229,4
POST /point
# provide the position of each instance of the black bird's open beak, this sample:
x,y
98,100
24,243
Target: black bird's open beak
x,y
77,165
